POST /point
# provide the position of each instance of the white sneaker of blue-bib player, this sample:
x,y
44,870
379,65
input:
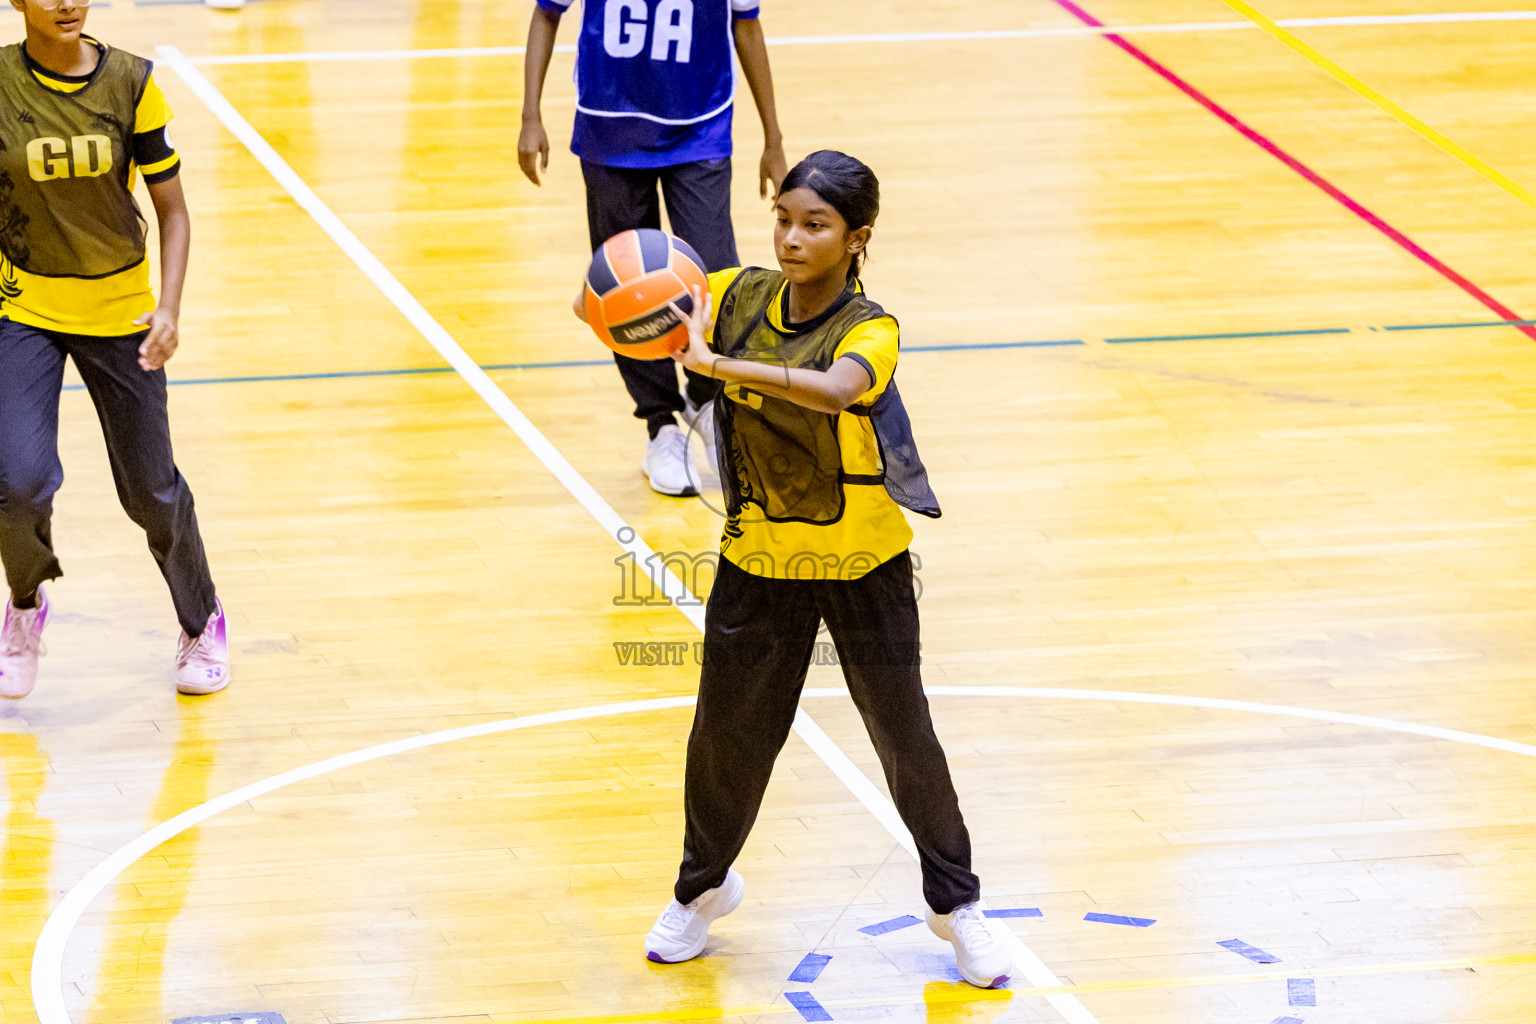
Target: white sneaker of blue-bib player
x,y
983,948
667,465
701,420
682,929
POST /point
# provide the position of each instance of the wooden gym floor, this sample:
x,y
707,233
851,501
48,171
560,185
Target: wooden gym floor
x,y
1280,452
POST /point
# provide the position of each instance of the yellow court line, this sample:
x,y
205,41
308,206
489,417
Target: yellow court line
x,y
965,994
1494,175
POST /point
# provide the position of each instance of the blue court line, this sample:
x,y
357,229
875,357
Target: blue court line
x,y
1014,912
1301,991
1228,336
809,1008
416,371
1446,327
1242,948
991,344
1131,922
895,924
979,346
811,967
1287,1020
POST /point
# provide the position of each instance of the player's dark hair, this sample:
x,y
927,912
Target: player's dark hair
x,y
847,185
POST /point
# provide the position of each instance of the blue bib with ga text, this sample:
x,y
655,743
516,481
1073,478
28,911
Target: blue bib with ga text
x,y
655,81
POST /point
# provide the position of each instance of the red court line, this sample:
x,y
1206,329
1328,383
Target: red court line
x,y
1264,143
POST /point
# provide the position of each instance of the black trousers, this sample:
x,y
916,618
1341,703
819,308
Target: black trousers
x,y
698,199
131,405
759,635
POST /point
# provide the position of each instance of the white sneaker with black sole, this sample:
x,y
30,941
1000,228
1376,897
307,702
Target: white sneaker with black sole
x,y
983,949
681,931
667,465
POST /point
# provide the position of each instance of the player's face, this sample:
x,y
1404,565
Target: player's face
x,y
810,238
58,20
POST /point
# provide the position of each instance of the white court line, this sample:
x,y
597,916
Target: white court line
x,y
51,997
1360,20
48,962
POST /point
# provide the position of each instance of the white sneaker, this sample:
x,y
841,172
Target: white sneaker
x,y
701,420
202,664
983,953
21,641
667,465
681,931
225,5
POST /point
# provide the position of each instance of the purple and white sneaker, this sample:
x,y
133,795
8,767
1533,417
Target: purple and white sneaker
x,y
21,641
682,929
202,662
983,950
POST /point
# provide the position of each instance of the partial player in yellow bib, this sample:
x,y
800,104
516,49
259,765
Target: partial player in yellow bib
x,y
79,122
817,462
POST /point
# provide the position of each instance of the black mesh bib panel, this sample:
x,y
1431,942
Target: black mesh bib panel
x,y
65,206
779,456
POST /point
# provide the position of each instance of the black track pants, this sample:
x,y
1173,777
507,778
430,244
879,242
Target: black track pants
x,y
759,635
698,199
131,405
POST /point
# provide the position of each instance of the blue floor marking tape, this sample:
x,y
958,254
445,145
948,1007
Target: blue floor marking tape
x,y
1014,912
1301,991
1132,922
895,924
811,967
1242,948
1287,1020
809,1008
258,1017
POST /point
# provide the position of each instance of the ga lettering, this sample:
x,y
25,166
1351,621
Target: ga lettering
x,y
84,156
627,22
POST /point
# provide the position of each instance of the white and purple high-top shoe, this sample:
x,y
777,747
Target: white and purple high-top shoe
x,y
21,641
202,663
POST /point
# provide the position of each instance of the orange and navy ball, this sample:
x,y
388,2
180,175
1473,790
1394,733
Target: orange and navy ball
x,y
634,278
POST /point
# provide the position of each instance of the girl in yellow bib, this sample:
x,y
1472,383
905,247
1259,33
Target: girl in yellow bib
x,y
816,461
79,123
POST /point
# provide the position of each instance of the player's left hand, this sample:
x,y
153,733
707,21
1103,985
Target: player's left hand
x,y
696,355
161,343
771,170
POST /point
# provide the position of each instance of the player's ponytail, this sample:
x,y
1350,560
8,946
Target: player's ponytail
x,y
846,184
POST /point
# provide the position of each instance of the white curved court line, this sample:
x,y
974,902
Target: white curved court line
x,y
48,958
1343,21
585,494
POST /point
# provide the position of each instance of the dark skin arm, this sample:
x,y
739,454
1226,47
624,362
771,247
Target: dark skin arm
x,y
753,54
831,390
532,143
175,244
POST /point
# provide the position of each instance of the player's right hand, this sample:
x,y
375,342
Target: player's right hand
x,y
533,150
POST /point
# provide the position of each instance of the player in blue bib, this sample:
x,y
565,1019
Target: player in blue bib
x,y
655,91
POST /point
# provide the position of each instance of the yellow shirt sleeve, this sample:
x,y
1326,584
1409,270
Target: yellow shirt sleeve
x,y
154,110
876,344
719,282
